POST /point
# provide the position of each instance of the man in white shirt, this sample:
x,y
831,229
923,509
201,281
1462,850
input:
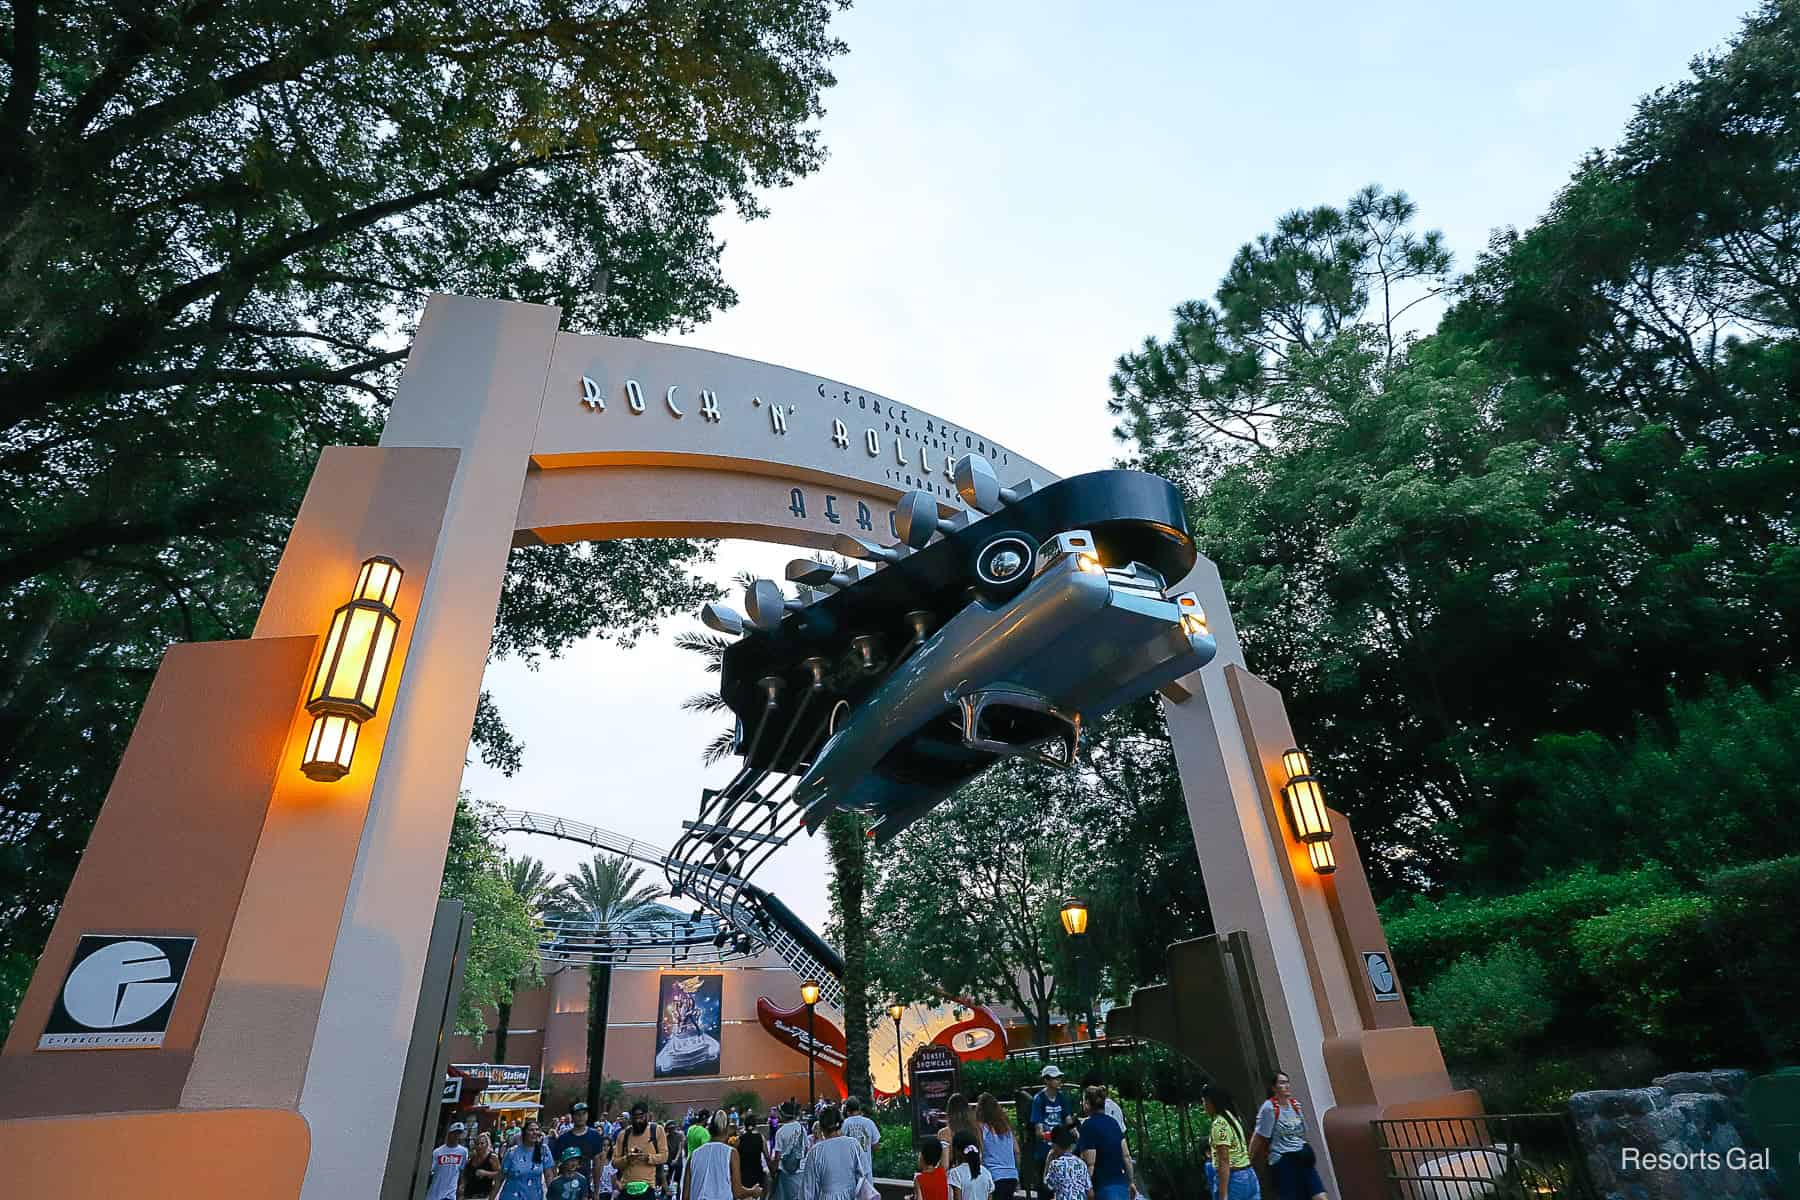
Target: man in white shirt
x,y
447,1165
862,1131
789,1153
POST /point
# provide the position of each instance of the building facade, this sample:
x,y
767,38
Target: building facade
x,y
548,1031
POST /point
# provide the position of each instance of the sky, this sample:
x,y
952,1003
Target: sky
x,y
1018,193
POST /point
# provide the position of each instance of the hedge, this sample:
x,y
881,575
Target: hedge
x,y
1426,937
1154,1072
1703,976
1755,933
1658,975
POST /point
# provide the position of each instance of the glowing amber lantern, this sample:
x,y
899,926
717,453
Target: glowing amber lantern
x,y
896,1011
329,748
1324,862
346,686
1305,799
809,993
1074,918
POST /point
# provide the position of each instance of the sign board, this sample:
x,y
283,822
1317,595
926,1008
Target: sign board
x,y
689,1025
826,1045
933,1074
118,993
452,1092
504,1074
1381,976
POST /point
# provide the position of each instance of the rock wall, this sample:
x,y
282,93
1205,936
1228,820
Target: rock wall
x,y
1686,1137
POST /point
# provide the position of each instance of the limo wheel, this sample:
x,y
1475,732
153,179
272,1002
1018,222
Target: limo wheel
x,y
1003,565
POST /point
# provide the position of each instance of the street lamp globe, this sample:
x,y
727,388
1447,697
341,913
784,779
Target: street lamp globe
x,y
1074,917
809,992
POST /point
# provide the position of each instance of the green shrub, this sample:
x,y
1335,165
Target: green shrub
x,y
1543,1080
1704,977
1483,1005
1427,936
1755,933
1152,1071
1647,959
745,1100
893,1156
1006,1077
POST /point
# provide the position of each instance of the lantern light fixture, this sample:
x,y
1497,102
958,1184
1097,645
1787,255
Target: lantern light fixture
x,y
1074,917
809,993
353,666
1305,799
329,747
896,1011
1324,862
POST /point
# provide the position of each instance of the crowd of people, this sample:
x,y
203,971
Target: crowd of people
x,y
1078,1150
1075,1147
712,1155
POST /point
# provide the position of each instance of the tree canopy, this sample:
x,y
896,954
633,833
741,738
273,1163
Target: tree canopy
x,y
217,225
503,937
1561,512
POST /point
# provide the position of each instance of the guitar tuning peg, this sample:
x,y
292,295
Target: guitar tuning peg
x,y
722,618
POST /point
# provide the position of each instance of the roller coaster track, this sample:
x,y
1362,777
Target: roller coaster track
x,y
742,911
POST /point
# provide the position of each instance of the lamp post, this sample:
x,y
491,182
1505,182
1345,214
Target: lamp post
x,y
809,994
896,1011
1075,923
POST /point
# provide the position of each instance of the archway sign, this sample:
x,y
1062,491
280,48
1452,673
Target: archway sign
x,y
239,958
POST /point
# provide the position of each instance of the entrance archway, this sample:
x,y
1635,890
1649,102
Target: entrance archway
x,y
310,904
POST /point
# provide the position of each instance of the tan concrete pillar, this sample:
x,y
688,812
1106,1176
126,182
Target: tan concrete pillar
x,y
474,382
1241,857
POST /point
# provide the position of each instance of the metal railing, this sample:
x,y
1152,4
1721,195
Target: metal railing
x,y
1063,1051
1517,1156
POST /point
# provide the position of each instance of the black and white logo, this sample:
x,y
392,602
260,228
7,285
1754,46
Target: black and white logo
x,y
119,992
1381,976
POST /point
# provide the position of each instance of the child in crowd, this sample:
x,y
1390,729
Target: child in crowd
x,y
1065,1175
930,1183
607,1183
969,1179
569,1183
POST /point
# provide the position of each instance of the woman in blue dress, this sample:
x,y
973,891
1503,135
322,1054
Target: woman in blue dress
x,y
525,1165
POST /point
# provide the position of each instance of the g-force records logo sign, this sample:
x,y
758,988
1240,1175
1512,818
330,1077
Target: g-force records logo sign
x,y
1381,976
119,993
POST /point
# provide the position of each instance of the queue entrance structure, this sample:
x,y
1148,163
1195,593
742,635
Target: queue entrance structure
x,y
301,908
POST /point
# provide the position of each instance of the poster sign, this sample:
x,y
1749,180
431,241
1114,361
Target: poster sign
x,y
118,993
1381,976
933,1075
504,1074
688,1025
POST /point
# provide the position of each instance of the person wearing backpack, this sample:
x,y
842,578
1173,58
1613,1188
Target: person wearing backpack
x,y
788,1153
638,1152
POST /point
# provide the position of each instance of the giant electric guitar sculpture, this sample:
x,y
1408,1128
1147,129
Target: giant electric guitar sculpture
x,y
887,685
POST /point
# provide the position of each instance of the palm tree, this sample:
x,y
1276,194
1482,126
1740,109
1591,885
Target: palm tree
x,y
712,647
847,848
531,882
607,891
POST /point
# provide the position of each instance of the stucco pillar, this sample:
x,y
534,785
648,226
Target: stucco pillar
x,y
474,382
1241,856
